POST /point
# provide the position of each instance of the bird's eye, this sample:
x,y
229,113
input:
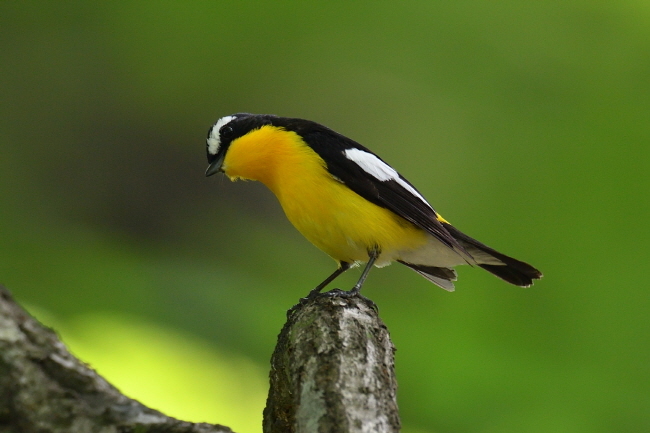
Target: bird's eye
x,y
226,130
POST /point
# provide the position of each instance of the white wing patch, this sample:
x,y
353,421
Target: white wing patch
x,y
379,169
213,139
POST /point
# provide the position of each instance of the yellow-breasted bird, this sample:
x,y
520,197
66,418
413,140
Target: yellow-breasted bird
x,y
348,202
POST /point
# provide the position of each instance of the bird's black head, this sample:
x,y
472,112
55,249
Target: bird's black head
x,y
227,129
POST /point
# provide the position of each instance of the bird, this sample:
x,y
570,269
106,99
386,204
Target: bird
x,y
348,202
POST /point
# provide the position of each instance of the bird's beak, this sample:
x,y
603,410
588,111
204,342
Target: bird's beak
x,y
214,167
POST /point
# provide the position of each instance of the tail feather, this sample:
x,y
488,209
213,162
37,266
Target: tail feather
x,y
441,277
505,267
512,275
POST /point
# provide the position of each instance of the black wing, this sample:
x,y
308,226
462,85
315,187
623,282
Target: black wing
x,y
389,194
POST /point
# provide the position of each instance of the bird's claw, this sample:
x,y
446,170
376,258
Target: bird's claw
x,y
334,293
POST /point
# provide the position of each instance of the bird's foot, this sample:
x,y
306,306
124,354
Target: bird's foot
x,y
347,294
334,293
313,294
339,293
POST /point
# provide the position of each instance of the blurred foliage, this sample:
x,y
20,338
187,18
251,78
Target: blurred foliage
x,y
526,124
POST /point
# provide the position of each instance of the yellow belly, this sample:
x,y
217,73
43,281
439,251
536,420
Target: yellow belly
x,y
343,224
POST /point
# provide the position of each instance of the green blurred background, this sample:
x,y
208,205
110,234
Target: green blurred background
x,y
526,124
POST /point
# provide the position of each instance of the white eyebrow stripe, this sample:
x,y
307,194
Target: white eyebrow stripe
x,y
378,169
214,140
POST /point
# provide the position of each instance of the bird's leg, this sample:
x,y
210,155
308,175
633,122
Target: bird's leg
x,y
372,257
343,266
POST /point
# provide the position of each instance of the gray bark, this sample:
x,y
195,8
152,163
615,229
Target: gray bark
x,y
43,388
333,370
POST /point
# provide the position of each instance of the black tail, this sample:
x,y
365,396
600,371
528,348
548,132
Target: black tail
x,y
505,267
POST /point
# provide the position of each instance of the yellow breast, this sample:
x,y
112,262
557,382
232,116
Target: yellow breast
x,y
329,214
